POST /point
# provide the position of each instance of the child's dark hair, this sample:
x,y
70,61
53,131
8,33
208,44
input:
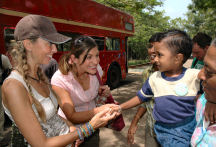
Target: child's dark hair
x,y
202,39
178,42
154,38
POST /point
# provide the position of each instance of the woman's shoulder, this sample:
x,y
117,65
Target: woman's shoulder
x,y
60,79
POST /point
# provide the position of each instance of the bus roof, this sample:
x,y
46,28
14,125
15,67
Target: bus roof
x,y
83,13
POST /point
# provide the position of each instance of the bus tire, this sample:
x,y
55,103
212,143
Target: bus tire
x,y
113,76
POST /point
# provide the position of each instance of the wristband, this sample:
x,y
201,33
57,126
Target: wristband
x,y
211,102
120,109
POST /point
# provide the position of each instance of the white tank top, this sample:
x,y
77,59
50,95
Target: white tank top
x,y
54,126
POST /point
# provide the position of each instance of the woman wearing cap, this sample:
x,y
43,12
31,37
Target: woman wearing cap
x,y
27,98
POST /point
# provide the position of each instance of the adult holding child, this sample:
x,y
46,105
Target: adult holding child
x,y
77,85
28,98
205,131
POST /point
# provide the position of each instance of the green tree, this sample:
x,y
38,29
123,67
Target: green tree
x,y
201,18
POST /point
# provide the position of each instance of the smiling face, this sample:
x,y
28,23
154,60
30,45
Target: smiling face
x,y
164,59
90,63
41,50
208,73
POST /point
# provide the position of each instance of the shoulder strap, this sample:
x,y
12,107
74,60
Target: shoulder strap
x,y
1,66
99,78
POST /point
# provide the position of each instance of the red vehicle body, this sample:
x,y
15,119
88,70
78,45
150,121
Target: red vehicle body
x,y
109,27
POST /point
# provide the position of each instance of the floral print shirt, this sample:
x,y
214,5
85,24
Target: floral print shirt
x,y
204,135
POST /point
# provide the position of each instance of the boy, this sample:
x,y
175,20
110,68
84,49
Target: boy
x,y
174,89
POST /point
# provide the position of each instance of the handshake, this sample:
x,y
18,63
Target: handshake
x,y
104,114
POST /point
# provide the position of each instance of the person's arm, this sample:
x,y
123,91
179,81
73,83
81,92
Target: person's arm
x,y
133,127
6,62
67,106
18,102
131,103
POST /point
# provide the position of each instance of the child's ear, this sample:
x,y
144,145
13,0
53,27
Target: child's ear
x,y
179,58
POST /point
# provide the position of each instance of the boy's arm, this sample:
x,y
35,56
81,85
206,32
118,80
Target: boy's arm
x,y
131,103
133,127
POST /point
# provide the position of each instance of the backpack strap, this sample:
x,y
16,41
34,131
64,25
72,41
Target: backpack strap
x,y
195,62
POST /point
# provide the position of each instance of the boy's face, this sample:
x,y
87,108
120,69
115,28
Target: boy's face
x,y
151,54
164,59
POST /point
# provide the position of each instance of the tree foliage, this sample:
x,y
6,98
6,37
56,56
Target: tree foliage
x,y
201,17
204,4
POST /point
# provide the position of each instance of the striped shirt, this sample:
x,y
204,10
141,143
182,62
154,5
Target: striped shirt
x,y
174,96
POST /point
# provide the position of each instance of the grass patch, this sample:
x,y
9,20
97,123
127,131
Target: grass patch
x,y
137,62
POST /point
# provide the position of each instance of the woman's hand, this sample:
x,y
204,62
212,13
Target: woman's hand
x,y
102,118
101,108
104,91
210,112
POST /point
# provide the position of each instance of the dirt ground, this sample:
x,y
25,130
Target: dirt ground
x,y
127,90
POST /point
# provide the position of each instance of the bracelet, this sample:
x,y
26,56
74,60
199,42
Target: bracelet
x,y
84,132
211,102
80,134
88,129
91,127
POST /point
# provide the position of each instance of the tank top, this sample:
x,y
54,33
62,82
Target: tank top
x,y
54,125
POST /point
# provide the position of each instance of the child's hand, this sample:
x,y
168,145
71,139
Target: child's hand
x,y
131,132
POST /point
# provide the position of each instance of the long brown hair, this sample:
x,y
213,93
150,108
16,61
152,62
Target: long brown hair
x,y
79,45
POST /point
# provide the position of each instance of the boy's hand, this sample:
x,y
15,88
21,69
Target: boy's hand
x,y
131,132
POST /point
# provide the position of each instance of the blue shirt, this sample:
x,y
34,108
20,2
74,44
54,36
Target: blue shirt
x,y
174,96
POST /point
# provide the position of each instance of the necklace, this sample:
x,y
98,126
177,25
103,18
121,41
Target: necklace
x,y
38,80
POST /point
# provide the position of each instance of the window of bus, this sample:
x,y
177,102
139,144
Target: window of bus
x,y
9,38
112,44
67,45
100,42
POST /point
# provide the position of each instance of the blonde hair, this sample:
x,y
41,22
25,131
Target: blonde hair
x,y
18,54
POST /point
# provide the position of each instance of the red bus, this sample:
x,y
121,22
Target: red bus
x,y
109,27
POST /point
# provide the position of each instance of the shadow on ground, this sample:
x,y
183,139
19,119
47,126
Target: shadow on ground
x,y
127,89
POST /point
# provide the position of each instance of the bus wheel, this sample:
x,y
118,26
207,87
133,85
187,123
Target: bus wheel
x,y
113,77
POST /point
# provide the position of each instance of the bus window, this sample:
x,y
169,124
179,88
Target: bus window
x,y
129,26
67,45
112,44
100,42
8,36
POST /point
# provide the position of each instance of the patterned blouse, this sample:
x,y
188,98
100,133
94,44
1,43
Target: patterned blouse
x,y
204,135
